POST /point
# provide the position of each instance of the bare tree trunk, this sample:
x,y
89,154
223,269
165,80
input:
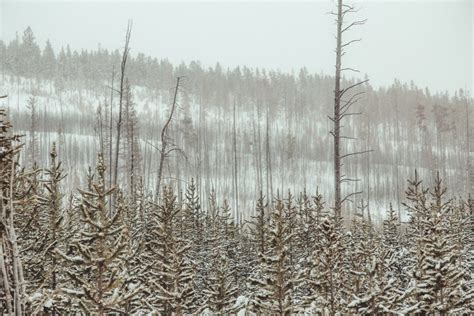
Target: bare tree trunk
x,y
19,289
337,114
6,283
119,122
236,182
341,107
269,162
111,124
165,142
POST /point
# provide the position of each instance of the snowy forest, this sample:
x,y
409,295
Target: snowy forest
x,y
134,186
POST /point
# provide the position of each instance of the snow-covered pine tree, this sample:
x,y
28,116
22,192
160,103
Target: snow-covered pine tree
x,y
97,265
192,228
309,216
258,225
48,298
374,288
273,288
221,283
171,272
393,244
440,279
326,274
29,221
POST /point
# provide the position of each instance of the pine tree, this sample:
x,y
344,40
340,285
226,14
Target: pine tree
x,y
172,275
439,277
30,54
48,62
221,284
273,289
326,274
97,266
53,237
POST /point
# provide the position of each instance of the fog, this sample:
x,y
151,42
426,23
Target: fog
x,y
429,42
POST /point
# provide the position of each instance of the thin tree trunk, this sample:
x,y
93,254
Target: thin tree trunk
x,y
236,182
119,122
164,142
111,125
337,109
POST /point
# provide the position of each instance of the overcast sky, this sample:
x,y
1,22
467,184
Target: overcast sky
x,y
429,42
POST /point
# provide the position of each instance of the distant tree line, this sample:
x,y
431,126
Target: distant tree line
x,y
286,114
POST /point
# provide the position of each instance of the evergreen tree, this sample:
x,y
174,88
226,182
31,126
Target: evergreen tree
x,y
172,273
97,266
30,54
48,62
440,279
326,275
273,289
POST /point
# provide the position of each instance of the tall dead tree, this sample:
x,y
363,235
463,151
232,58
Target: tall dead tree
x,y
343,106
167,147
123,65
111,124
268,161
234,146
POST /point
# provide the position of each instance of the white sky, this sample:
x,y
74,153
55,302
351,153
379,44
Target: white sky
x,y
429,42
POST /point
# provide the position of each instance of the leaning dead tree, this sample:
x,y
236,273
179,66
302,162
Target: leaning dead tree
x,y
167,146
344,99
123,65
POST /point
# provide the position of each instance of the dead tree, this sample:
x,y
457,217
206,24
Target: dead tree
x,y
342,107
167,147
126,50
111,124
268,161
234,146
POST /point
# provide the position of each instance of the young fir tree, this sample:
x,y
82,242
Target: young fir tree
x,y
439,278
309,216
326,274
192,228
273,289
258,226
29,219
373,291
53,237
221,284
171,278
97,265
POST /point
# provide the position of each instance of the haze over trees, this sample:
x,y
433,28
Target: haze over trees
x,y
133,186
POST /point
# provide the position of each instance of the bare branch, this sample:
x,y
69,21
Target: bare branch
x,y
355,23
350,69
343,91
351,42
349,195
356,153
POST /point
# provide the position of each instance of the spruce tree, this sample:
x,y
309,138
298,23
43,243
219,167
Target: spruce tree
x,y
171,278
273,289
97,265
